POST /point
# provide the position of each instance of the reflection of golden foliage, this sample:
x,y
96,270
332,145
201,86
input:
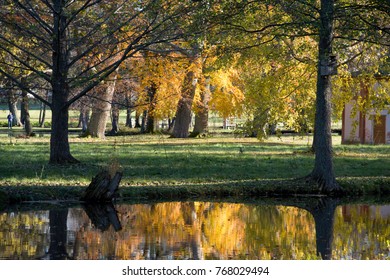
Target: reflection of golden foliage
x,y
183,230
360,232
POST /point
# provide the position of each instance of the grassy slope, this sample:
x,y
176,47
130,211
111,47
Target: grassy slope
x,y
156,166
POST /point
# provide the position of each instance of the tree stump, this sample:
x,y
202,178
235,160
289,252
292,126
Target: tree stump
x,y
103,188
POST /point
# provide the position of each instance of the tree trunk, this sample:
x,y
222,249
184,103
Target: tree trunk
x,y
128,110
42,111
184,108
137,123
149,128
101,111
143,121
202,116
26,114
84,118
59,142
114,119
150,113
323,172
42,115
12,106
171,124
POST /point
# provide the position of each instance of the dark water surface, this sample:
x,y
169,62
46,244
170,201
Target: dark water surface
x,y
323,229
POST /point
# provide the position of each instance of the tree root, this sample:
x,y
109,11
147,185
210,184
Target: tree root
x,y
328,187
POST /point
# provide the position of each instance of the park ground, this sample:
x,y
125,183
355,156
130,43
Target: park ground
x,y
156,166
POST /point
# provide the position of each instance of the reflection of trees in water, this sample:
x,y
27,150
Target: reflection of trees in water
x,y
58,234
22,234
301,229
323,214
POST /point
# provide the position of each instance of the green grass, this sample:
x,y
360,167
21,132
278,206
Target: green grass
x,y
200,166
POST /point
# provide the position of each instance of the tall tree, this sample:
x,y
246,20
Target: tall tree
x,y
335,25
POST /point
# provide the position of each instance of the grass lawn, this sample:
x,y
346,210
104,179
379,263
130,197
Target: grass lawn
x,y
223,164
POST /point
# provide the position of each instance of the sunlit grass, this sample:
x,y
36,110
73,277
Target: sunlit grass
x,y
160,160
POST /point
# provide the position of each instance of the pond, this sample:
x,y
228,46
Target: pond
x,y
315,229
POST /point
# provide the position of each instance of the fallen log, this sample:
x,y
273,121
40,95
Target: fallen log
x,y
102,188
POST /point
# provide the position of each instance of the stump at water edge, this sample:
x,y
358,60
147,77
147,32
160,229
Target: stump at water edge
x,y
103,188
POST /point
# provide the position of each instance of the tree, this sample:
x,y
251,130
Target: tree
x,y
333,24
323,171
160,78
184,108
102,108
78,44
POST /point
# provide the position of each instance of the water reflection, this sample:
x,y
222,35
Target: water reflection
x,y
316,229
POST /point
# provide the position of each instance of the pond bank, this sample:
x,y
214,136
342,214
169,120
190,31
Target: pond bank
x,y
353,187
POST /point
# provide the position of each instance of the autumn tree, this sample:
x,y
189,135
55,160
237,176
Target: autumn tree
x,y
333,24
79,44
160,78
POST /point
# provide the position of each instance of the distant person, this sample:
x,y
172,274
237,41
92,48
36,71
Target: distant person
x,y
10,118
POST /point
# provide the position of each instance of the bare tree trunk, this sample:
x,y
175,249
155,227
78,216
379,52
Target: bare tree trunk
x,y
202,116
84,118
128,110
137,123
26,114
184,108
59,142
323,172
150,113
42,115
114,119
12,106
143,121
101,111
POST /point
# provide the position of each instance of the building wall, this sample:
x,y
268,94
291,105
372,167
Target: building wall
x,y
350,132
369,131
363,131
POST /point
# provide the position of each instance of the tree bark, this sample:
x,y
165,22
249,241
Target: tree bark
x,y
128,111
143,121
26,114
150,113
12,106
114,119
323,172
42,115
137,123
84,118
202,116
103,187
101,111
59,142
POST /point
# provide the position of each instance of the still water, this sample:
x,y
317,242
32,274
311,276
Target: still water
x,y
198,230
